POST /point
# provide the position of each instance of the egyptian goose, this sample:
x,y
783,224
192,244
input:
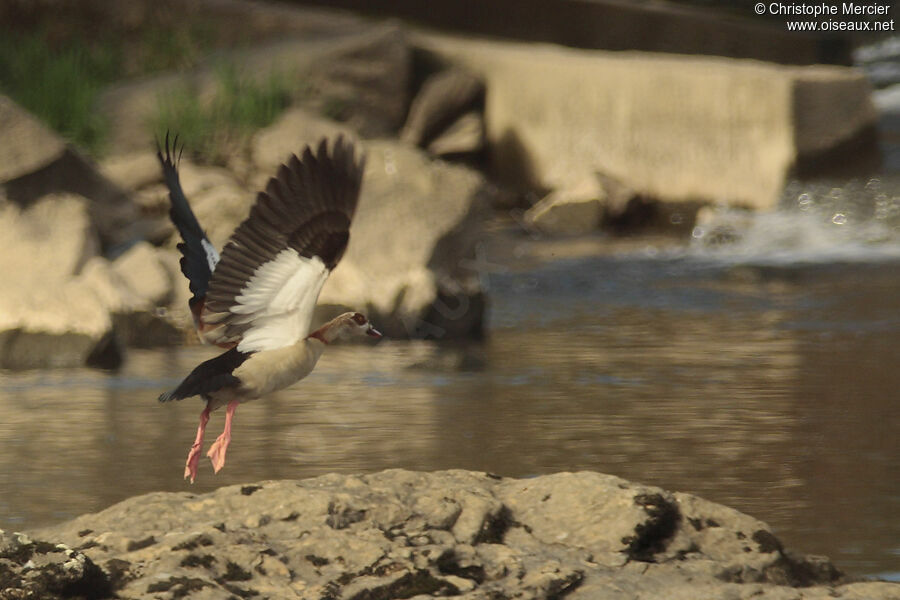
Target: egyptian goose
x,y
257,298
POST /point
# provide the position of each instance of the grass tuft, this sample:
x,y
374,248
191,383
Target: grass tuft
x,y
55,61
59,84
215,126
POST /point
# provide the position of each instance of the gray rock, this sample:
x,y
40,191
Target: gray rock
x,y
31,145
63,304
141,268
142,283
51,313
36,569
409,262
25,348
37,162
464,138
364,81
400,534
218,199
132,171
569,212
446,116
58,221
273,145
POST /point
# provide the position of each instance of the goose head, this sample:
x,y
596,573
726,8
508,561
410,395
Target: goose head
x,y
347,326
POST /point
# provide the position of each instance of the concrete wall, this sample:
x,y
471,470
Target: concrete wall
x,y
672,127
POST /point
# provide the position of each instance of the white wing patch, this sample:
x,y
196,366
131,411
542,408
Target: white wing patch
x,y
279,301
212,257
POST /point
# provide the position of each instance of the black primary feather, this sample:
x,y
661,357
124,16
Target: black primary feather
x,y
209,376
195,260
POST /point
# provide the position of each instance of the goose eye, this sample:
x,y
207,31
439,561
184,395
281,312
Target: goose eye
x,y
359,319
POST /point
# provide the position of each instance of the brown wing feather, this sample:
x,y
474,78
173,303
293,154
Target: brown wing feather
x,y
307,206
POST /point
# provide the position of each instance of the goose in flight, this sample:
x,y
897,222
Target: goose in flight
x,y
256,299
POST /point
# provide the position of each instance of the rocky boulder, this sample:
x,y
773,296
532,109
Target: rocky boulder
x,y
34,569
142,270
50,311
673,128
37,162
447,115
132,171
568,212
273,145
412,243
401,534
143,283
65,305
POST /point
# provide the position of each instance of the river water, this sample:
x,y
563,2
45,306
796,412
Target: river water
x,y
761,374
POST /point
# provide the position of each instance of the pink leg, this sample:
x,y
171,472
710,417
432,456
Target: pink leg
x,y
217,451
193,459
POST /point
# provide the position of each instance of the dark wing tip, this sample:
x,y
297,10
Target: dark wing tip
x,y
172,155
344,153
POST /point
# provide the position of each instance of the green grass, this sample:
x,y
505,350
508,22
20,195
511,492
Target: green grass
x,y
214,127
56,66
58,84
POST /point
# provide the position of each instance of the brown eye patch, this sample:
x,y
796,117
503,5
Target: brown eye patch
x,y
359,319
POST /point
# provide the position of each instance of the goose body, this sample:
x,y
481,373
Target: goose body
x,y
273,370
257,298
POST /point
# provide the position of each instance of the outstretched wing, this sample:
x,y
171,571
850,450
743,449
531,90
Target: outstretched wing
x,y
264,288
198,255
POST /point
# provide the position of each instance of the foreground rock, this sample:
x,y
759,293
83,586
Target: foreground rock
x,y
673,128
35,569
400,534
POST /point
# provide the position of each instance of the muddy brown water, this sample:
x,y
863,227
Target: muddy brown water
x,y
772,389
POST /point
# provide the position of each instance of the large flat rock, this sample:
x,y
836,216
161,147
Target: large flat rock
x,y
401,534
673,128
